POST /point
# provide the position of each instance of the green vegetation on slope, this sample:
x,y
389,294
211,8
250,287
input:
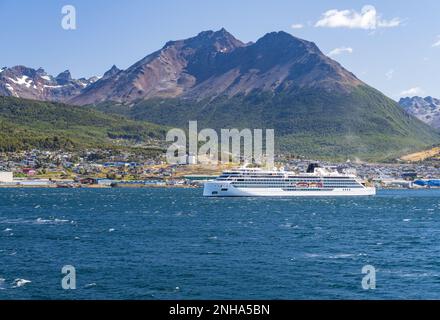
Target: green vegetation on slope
x,y
26,124
362,124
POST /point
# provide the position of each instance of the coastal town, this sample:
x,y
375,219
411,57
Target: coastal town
x,y
109,168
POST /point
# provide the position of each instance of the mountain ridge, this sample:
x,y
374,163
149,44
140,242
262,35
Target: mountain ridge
x,y
216,63
426,109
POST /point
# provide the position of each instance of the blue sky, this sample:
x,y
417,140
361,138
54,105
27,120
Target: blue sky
x,y
389,44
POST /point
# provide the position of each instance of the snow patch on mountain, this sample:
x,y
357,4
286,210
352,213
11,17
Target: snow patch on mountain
x,y
22,81
11,89
426,109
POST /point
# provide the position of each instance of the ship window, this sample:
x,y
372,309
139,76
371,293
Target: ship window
x,y
214,192
224,189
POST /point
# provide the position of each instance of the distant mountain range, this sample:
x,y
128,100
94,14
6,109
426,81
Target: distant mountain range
x,y
426,109
317,107
28,83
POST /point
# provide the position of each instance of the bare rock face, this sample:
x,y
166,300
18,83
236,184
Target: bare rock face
x,y
215,63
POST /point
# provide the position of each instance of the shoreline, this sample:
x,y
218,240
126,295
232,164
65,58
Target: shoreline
x,y
131,186
128,186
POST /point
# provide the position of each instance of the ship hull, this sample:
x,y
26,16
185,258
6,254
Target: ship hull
x,y
225,189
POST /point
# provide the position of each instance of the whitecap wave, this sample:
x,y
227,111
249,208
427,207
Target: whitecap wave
x,y
35,221
341,256
20,282
289,225
50,221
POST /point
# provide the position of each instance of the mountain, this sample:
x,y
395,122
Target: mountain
x,y
317,108
27,124
169,72
24,82
216,63
426,109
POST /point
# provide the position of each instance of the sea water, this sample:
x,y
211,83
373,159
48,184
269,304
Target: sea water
x,y
175,244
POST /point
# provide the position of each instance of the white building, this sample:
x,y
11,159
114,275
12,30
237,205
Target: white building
x,y
6,176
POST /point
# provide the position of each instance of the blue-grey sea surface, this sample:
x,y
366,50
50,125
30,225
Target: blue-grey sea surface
x,y
159,243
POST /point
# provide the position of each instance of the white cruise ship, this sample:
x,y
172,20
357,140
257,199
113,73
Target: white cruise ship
x,y
254,182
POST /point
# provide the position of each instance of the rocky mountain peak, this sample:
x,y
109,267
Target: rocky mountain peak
x,y
111,72
426,109
64,77
216,41
214,63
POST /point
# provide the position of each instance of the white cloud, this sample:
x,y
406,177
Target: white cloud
x,y
390,74
338,51
416,91
297,26
437,44
367,19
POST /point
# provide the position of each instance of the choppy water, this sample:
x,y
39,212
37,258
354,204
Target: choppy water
x,y
175,244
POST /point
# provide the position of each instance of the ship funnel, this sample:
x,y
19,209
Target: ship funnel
x,y
312,167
